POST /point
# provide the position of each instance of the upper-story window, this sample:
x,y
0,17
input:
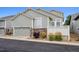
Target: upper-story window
x,y
58,22
38,22
51,22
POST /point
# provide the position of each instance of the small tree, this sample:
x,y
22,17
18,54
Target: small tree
x,y
67,22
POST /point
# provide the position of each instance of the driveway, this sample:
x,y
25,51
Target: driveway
x,y
8,45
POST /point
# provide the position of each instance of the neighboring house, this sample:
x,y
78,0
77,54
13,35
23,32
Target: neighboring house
x,y
30,21
74,25
3,24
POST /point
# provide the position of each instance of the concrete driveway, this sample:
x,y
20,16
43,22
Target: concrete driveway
x,y
29,46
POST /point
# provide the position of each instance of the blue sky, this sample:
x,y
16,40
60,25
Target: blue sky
x,y
5,11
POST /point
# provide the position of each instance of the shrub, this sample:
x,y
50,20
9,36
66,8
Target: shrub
x,y
51,37
56,37
36,34
42,35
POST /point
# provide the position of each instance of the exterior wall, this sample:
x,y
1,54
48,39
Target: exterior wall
x,y
2,23
35,15
2,32
8,24
2,26
77,26
74,25
22,21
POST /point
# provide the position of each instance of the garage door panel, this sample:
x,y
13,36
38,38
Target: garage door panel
x,y
1,32
22,31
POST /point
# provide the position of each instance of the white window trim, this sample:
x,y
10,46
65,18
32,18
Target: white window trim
x,y
38,18
57,25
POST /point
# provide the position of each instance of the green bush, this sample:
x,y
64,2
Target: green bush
x,y
42,35
56,37
51,37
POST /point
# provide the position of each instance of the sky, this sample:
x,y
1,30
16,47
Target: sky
x,y
6,11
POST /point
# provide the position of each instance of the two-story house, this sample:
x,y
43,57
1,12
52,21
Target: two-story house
x,y
29,21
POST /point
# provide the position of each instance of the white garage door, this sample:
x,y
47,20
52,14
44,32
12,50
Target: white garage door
x,y
1,31
22,31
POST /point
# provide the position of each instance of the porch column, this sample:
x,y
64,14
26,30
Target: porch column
x,y
47,28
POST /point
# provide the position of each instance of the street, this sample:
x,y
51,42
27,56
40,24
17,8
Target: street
x,y
8,45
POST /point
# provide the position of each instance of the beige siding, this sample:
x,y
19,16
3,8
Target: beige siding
x,y
22,21
2,23
2,32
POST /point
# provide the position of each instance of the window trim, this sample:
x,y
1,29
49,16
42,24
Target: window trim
x,y
58,24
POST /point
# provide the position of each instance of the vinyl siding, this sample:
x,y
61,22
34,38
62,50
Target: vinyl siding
x,y
22,21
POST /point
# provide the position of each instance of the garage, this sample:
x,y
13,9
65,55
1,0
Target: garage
x,y
2,31
22,31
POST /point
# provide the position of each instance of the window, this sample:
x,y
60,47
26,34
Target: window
x,y
52,24
38,22
58,23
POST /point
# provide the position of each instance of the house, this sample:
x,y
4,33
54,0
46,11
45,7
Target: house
x,y
3,24
74,25
39,20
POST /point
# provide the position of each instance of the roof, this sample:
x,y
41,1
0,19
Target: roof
x,y
34,11
11,17
6,17
49,13
22,15
77,18
56,11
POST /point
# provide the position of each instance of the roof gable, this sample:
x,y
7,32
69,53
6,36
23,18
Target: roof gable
x,y
21,14
35,12
57,13
48,13
6,17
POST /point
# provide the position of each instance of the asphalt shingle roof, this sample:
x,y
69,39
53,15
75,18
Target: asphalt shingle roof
x,y
6,17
